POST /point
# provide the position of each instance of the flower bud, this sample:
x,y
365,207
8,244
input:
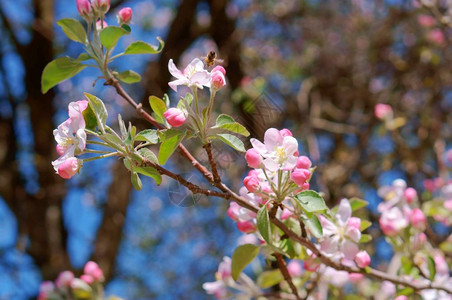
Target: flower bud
x,y
79,285
101,6
303,162
46,288
311,264
64,279
251,183
84,8
124,15
87,278
418,219
253,158
175,117
401,297
299,176
410,195
426,20
91,268
294,268
68,168
217,80
383,111
362,259
233,211
285,132
246,226
219,68
355,277
448,204
101,25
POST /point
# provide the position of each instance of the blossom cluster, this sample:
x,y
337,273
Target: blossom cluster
x,y
94,9
66,286
71,138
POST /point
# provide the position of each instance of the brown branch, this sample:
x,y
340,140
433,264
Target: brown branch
x,y
283,268
216,176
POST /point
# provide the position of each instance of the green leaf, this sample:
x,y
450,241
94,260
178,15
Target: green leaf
x,y
228,123
406,264
90,118
129,76
169,145
141,47
357,203
126,27
365,238
113,140
405,292
73,30
286,246
310,201
59,70
148,135
136,181
446,246
232,141
159,108
263,224
365,224
314,226
83,57
122,127
150,172
99,110
269,278
242,257
431,267
149,155
110,35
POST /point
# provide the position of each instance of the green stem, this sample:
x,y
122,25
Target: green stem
x,y
95,151
101,156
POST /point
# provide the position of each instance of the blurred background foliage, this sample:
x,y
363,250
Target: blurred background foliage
x,y
316,67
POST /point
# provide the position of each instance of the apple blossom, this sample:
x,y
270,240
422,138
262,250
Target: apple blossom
x,y
246,226
426,20
418,219
362,259
294,268
410,195
217,79
253,158
101,6
251,183
299,176
175,117
303,162
194,75
64,279
87,278
46,288
67,167
91,268
101,25
84,8
124,15
392,221
383,111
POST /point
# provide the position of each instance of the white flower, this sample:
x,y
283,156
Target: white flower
x,y
193,75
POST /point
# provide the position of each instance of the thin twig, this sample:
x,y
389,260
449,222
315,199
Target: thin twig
x,y
216,176
283,268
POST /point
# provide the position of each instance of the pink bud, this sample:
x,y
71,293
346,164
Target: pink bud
x,y
285,132
355,223
410,195
419,240
383,111
125,15
87,278
436,36
219,68
286,213
233,211
246,226
101,5
311,265
355,277
304,162
253,158
305,186
362,259
175,117
45,289
68,168
401,297
448,204
251,183
92,269
101,25
64,279
84,8
426,20
294,268
299,176
429,185
417,218
217,80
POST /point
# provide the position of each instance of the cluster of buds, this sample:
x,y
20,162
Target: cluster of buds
x,y
92,10
71,138
66,286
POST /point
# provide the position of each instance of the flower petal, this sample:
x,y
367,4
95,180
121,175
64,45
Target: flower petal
x,y
344,212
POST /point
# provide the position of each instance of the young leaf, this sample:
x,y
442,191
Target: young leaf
x,y
263,224
122,127
314,226
227,123
59,70
90,118
73,30
148,135
269,278
149,155
242,257
150,172
99,110
365,238
141,47
110,35
136,181
364,225
169,145
232,141
224,119
357,203
310,201
158,106
431,267
83,57
129,76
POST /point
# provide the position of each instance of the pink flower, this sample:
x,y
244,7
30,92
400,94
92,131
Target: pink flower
x,y
355,277
220,69
448,204
124,15
217,80
101,25
68,167
285,132
175,117
194,75
64,279
299,176
426,20
251,183
392,221
253,158
401,297
84,8
246,227
303,162
223,275
354,222
383,111
362,259
418,219
294,268
410,195
101,5
311,264
436,36
87,278
46,288
92,269
233,211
